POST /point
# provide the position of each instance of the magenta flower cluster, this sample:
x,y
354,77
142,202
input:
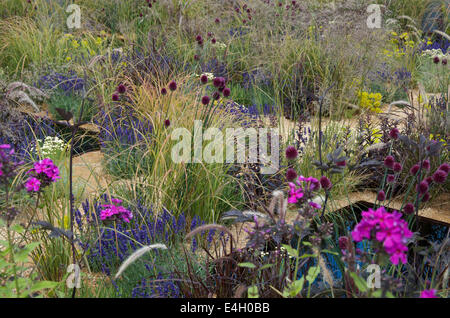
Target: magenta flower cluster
x,y
115,211
428,293
302,186
387,228
43,173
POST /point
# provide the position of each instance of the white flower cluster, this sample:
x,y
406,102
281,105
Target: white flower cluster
x,y
51,146
282,250
219,45
436,52
210,76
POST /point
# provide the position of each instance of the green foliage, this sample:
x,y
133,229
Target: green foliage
x,y
16,280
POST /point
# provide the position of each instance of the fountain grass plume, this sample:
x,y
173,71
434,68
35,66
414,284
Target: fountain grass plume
x,y
136,255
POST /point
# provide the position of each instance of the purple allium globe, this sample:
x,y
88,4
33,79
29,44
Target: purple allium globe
x,y
217,20
216,95
397,167
226,92
426,164
167,123
426,197
414,169
394,133
436,60
440,176
422,187
205,100
213,41
219,82
115,97
444,61
389,161
291,174
325,183
163,91
390,178
291,153
381,196
172,85
204,79
408,208
444,167
121,89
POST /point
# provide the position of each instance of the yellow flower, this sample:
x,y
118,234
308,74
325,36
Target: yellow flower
x,y
68,59
438,138
66,222
370,101
376,134
84,43
75,44
404,36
